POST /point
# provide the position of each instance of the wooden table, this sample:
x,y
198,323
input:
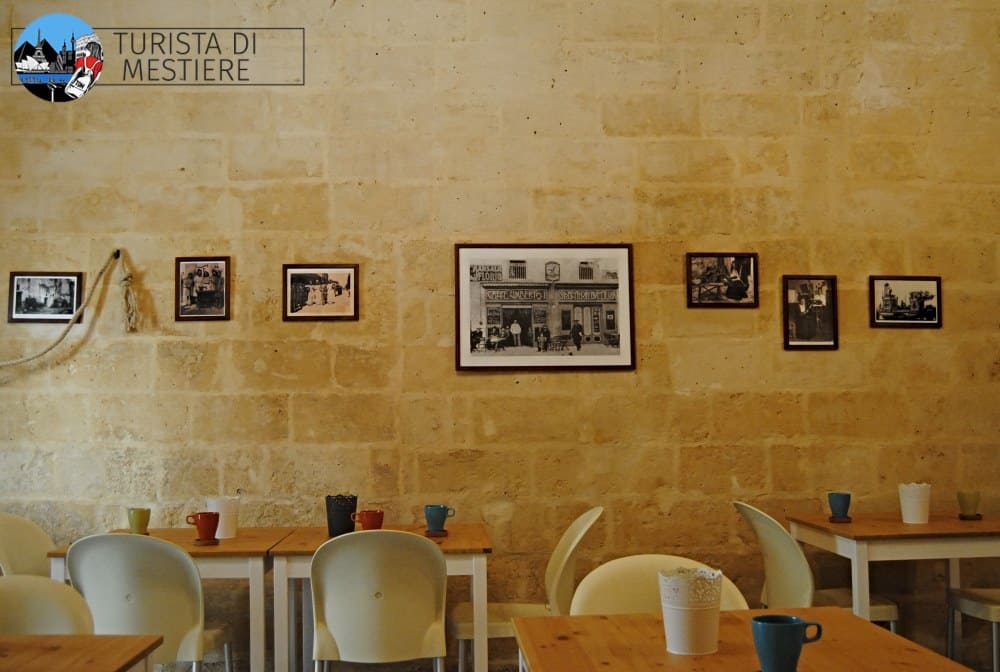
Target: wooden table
x,y
636,643
873,537
465,550
77,653
245,556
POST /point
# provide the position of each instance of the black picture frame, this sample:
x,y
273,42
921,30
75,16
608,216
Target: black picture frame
x,y
44,296
320,292
809,312
572,304
201,288
721,279
904,301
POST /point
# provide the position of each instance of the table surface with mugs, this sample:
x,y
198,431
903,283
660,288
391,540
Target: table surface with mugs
x,y
875,537
636,642
77,653
465,548
244,556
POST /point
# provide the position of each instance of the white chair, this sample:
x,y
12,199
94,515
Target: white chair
x,y
788,579
560,578
982,603
631,585
378,597
136,584
37,605
24,546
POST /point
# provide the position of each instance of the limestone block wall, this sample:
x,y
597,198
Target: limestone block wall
x,y
844,137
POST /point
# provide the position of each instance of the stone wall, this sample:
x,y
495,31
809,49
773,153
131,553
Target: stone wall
x,y
843,137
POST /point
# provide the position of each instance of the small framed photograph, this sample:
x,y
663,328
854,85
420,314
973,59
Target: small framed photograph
x,y
904,301
721,280
201,286
810,312
319,292
44,297
544,307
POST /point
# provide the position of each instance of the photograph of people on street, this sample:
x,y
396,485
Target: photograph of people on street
x,y
320,292
44,297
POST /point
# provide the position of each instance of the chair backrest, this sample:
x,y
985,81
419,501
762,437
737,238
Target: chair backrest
x,y
560,572
37,605
24,546
632,585
378,597
136,584
788,579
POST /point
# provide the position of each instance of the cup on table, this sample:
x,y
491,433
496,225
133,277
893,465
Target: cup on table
x,y
339,512
915,502
690,599
207,523
229,513
138,520
968,503
840,503
779,638
370,519
436,514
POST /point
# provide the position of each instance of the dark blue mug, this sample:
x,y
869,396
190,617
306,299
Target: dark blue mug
x,y
840,503
436,515
779,639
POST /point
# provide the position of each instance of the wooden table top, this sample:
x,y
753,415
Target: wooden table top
x,y
891,526
248,542
636,643
74,653
462,538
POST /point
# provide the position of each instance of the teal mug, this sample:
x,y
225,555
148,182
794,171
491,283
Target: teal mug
x,y
779,638
436,514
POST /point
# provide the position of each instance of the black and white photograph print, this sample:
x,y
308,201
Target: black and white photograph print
x,y
721,279
544,307
319,292
810,312
44,297
904,301
201,286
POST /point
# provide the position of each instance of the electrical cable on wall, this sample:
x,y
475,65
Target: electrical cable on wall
x,y
128,298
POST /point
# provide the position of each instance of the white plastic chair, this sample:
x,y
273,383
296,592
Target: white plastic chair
x,y
136,584
24,546
560,578
37,605
982,603
631,585
378,597
788,579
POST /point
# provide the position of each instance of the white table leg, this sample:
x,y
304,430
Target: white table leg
x,y
307,626
860,587
282,636
955,581
522,664
479,618
258,631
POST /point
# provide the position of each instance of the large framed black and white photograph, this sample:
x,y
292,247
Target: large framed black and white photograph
x,y
544,307
721,279
44,296
201,288
904,301
810,312
312,292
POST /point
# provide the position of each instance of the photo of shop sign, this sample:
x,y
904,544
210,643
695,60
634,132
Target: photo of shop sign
x,y
539,306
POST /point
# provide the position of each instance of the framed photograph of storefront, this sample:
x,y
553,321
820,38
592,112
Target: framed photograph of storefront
x,y
544,307
201,288
312,292
721,279
904,301
44,297
810,312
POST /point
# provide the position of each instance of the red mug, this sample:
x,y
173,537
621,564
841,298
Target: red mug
x,y
370,519
207,523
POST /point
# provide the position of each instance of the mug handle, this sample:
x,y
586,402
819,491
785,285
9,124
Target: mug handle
x,y
451,512
806,639
354,517
190,519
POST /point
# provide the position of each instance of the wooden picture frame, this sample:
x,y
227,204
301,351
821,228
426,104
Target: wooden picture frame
x,y
721,279
317,292
201,288
44,296
544,307
809,311
904,301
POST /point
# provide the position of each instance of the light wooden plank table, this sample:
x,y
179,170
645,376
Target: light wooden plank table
x,y
636,643
874,537
244,556
465,550
77,653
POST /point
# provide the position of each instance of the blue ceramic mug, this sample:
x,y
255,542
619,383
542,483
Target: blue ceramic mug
x,y
840,503
436,514
779,639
